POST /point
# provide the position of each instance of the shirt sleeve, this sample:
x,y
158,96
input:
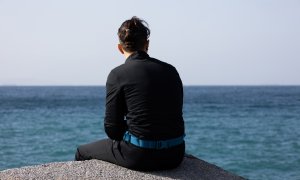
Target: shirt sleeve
x,y
114,123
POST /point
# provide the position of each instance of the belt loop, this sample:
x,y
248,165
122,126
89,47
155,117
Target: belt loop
x,y
127,136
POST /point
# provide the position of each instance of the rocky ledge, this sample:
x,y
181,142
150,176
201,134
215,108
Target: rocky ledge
x,y
191,168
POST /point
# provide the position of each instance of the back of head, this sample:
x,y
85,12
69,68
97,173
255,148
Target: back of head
x,y
133,34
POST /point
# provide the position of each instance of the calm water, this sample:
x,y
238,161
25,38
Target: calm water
x,y
252,131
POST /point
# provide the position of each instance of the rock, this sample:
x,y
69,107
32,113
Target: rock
x,y
191,168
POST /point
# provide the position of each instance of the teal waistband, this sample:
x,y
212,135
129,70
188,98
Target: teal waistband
x,y
152,144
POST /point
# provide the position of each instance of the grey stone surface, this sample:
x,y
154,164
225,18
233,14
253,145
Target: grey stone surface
x,y
191,168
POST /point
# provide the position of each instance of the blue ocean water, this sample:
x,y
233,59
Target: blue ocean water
x,y
252,131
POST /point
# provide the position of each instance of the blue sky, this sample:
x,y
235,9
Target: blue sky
x,y
213,42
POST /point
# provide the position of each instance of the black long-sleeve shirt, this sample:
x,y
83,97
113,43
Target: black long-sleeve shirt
x,y
145,97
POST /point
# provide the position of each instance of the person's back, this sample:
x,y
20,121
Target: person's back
x,y
143,116
153,96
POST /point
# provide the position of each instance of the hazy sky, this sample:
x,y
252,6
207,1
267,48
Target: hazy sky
x,y
212,42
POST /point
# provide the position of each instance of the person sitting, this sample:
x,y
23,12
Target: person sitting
x,y
143,116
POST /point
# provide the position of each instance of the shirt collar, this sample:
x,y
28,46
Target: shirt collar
x,y
138,55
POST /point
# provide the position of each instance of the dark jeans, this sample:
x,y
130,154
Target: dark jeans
x,y
130,156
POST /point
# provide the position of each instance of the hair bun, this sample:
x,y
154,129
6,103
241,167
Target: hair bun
x,y
133,34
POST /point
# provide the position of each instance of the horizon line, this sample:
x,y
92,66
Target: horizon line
x,y
101,85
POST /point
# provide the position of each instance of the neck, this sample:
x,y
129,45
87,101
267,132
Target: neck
x,y
127,54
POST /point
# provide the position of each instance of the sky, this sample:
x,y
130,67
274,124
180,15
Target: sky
x,y
212,42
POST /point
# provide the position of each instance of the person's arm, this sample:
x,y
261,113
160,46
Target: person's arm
x,y
114,123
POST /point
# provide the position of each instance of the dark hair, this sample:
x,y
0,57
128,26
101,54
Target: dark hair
x,y
133,34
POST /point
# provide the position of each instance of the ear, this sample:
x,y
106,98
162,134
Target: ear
x,y
120,48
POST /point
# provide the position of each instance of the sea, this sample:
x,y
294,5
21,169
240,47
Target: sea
x,y
252,131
